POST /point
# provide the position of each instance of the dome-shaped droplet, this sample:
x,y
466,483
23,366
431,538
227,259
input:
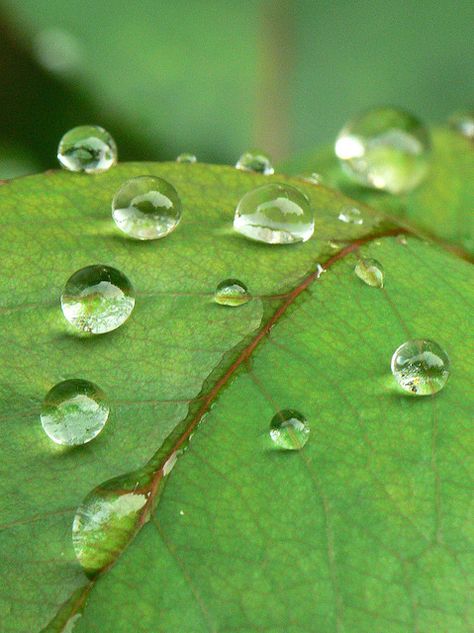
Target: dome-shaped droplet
x,y
385,148
146,208
97,299
420,367
289,429
74,412
186,158
231,292
463,122
275,214
256,161
350,215
87,148
370,271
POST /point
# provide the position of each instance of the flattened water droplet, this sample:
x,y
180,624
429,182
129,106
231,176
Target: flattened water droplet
x,y
313,178
351,215
231,292
289,429
370,271
186,158
97,299
385,148
74,412
146,208
463,122
87,148
420,367
275,214
256,161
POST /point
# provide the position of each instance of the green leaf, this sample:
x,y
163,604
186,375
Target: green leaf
x,y
365,529
442,205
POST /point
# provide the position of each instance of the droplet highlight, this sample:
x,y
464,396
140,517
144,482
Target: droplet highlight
x,y
463,122
74,412
420,367
370,271
385,148
146,208
87,148
256,161
275,214
351,215
186,158
97,299
231,292
289,430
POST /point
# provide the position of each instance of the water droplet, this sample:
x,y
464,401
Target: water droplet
x,y
312,178
87,148
289,429
57,50
385,148
420,367
97,299
146,208
231,292
463,122
370,271
275,214
255,161
74,412
351,215
186,158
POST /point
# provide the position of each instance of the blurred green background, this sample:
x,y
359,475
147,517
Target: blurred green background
x,y
215,77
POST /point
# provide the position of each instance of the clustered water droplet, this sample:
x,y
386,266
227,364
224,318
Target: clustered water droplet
x,y
289,430
370,271
231,292
146,208
255,161
385,148
74,412
350,215
87,148
421,367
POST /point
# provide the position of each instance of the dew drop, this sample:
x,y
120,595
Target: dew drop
x,y
420,367
87,148
463,122
74,412
186,158
146,208
97,299
385,148
255,161
351,215
275,214
370,271
289,429
231,292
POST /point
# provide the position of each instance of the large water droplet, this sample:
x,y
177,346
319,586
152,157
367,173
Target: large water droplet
x,y
385,148
275,214
420,367
186,158
351,215
146,208
463,122
370,271
289,429
257,161
97,299
87,148
74,412
231,292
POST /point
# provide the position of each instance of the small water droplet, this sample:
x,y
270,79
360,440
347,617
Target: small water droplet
x,y
463,122
333,244
256,161
97,299
319,270
146,208
351,215
370,271
289,429
74,412
385,148
57,50
313,178
275,214
87,148
231,292
186,158
420,367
